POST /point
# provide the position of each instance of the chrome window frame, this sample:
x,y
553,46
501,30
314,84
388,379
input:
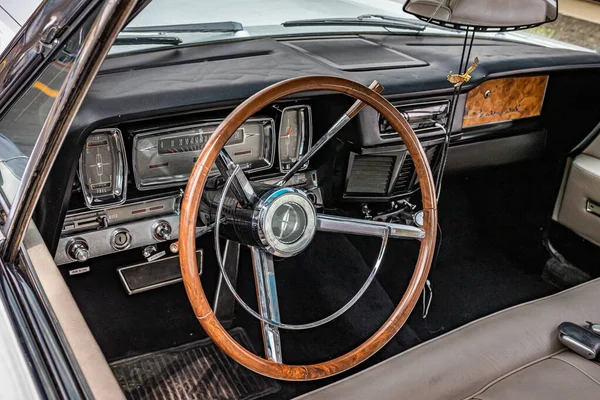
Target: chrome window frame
x,y
25,298
109,21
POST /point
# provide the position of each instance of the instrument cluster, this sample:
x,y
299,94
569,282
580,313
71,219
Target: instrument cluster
x,y
164,157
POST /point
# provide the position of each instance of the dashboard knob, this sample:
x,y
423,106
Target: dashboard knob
x,y
78,250
418,218
161,230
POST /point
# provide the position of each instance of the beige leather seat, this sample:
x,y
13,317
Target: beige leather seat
x,y
513,354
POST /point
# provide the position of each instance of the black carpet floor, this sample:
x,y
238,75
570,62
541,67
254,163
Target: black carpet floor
x,y
491,257
127,326
491,253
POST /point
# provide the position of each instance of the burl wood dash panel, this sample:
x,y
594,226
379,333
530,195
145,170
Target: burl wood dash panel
x,y
505,99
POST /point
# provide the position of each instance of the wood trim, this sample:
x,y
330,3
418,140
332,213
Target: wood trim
x,y
505,99
191,202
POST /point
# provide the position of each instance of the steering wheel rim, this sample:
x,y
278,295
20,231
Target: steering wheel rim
x,y
191,202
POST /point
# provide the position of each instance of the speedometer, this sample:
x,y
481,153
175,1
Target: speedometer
x,y
165,157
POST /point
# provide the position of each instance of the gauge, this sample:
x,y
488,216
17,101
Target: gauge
x,y
193,142
165,157
294,135
102,169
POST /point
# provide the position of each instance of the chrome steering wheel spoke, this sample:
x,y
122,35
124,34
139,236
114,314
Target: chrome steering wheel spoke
x,y
241,187
268,304
355,226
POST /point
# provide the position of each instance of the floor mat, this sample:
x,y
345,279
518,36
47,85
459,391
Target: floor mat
x,y
198,370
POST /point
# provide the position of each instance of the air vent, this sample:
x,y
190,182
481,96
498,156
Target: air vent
x,y
432,154
370,174
426,119
407,178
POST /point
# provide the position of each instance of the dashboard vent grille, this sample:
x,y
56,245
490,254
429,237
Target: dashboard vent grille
x,y
407,177
370,174
424,118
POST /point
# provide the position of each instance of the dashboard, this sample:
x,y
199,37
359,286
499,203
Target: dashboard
x,y
131,177
154,164
123,186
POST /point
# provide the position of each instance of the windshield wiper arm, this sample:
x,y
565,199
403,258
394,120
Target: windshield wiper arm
x,y
229,26
364,20
134,40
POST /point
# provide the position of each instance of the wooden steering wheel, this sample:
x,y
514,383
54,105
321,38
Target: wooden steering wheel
x,y
266,235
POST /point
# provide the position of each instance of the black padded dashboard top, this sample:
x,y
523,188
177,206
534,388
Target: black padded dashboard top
x,y
195,77
150,85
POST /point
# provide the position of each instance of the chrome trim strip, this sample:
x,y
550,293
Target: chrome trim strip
x,y
353,226
266,292
37,288
143,209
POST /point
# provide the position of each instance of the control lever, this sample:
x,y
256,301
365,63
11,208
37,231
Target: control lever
x,y
579,339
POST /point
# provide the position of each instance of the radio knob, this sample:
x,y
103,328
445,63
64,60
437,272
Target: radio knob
x,y
78,250
162,231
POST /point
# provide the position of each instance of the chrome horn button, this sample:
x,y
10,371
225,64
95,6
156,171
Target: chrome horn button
x,y
285,221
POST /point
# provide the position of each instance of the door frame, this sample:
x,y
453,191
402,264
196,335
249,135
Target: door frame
x,y
52,365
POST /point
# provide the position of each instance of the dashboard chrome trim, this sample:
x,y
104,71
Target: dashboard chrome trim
x,y
99,219
99,241
179,180
416,113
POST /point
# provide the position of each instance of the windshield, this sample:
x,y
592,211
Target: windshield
x,y
167,23
258,18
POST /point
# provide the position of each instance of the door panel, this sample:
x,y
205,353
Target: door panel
x,y
579,206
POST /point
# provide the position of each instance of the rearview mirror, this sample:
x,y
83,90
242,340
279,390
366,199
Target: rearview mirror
x,y
484,15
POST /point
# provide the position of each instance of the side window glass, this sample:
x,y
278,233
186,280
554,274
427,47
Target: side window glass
x,y
21,126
